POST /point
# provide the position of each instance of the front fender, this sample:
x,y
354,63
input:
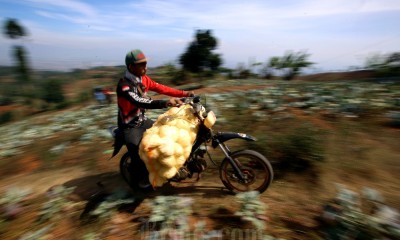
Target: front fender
x,y
221,137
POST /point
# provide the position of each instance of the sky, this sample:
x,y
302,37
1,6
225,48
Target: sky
x,y
67,34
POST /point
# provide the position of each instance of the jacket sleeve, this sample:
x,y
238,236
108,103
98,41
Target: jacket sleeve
x,y
162,89
125,92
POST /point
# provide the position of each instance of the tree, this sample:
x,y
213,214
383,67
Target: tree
x,y
384,65
242,71
268,69
199,56
22,68
52,91
13,30
290,64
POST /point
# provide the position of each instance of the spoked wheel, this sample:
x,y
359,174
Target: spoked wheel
x,y
257,171
124,168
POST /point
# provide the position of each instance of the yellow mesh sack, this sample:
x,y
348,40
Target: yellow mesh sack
x,y
167,144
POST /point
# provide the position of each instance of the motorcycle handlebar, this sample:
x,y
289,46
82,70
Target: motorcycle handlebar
x,y
194,99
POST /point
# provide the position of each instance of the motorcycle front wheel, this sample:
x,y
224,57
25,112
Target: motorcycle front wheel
x,y
257,171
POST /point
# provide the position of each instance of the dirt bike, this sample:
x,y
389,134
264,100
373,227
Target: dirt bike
x,y
240,171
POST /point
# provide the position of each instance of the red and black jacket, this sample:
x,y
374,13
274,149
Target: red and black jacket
x,y
132,101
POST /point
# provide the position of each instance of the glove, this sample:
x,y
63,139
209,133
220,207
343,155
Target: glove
x,y
188,93
174,102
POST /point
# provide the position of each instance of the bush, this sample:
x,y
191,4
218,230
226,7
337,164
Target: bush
x,y
51,91
6,117
180,77
298,150
83,97
252,209
5,101
394,119
359,216
63,105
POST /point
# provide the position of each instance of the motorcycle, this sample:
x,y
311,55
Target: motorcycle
x,y
240,171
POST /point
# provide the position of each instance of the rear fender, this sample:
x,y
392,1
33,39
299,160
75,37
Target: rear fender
x,y
118,140
221,137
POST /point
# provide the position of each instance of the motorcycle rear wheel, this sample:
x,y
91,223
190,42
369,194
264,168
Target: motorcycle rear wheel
x,y
128,173
256,168
124,166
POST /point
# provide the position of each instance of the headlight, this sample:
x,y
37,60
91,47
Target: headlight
x,y
210,120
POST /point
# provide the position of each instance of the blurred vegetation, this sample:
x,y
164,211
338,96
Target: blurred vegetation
x,y
290,64
348,215
351,215
288,144
6,117
14,30
19,86
298,150
251,208
199,56
49,90
384,65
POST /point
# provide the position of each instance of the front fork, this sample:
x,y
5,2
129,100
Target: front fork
x,y
227,153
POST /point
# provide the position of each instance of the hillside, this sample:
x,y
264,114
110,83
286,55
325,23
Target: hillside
x,y
354,123
78,85
339,76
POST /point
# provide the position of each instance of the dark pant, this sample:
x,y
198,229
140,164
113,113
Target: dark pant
x,y
133,136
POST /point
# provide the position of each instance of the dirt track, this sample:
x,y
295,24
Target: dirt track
x,y
292,202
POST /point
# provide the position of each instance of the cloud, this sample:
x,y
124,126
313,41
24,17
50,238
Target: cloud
x,y
224,16
66,6
328,29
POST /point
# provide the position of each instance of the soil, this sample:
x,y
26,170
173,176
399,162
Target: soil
x,y
294,201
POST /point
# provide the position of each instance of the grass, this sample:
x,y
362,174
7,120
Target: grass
x,y
358,152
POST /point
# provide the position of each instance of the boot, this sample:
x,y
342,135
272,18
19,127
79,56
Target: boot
x,y
182,174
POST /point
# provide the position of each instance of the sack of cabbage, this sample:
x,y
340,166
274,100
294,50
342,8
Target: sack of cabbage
x,y
167,144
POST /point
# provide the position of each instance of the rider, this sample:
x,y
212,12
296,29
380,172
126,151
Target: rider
x,y
132,103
